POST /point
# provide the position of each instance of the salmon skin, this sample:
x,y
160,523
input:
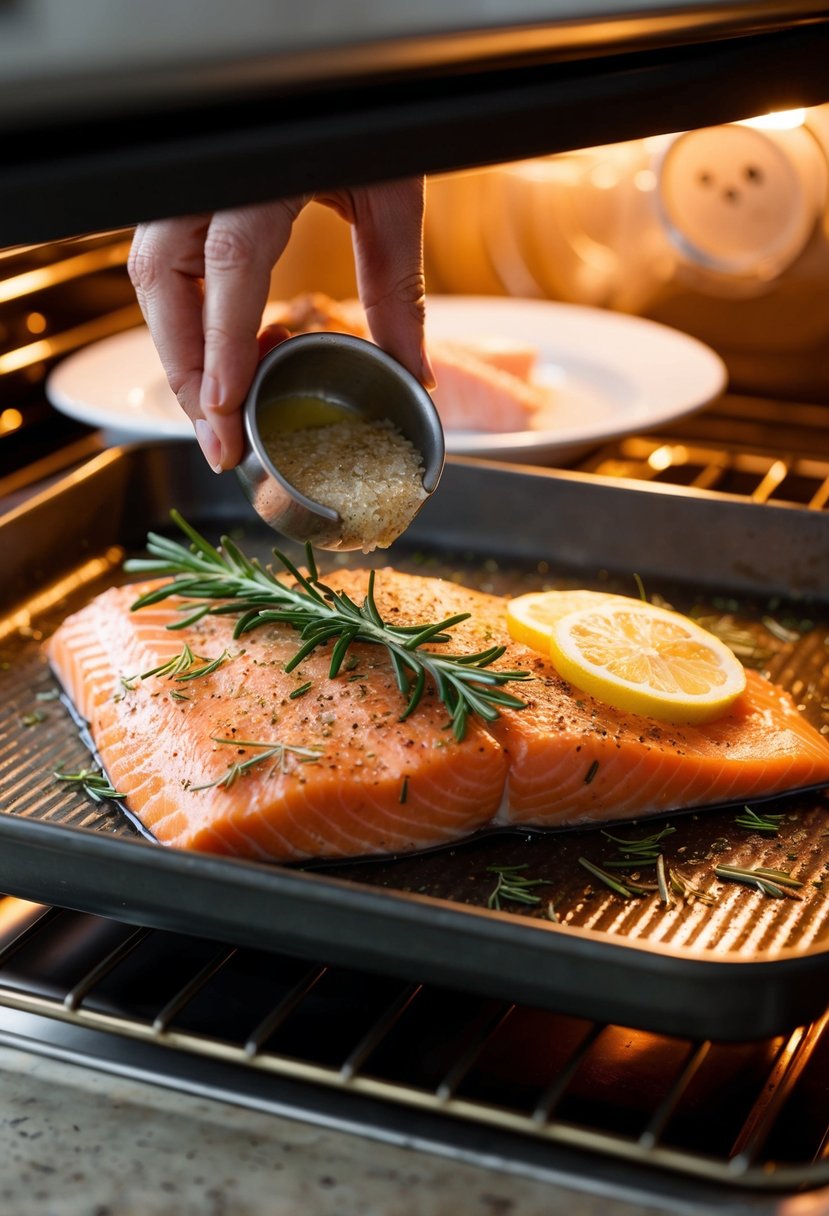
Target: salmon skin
x,y
249,760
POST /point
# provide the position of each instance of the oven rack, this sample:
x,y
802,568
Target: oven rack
x,y
763,451
748,1115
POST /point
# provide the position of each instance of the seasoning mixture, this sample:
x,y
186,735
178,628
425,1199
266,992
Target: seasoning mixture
x,y
365,470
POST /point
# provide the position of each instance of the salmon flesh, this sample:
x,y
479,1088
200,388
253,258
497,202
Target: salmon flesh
x,y
257,762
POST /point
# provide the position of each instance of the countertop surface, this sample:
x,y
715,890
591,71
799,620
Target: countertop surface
x,y
78,1142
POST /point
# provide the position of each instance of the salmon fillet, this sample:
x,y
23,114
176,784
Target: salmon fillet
x,y
477,393
374,784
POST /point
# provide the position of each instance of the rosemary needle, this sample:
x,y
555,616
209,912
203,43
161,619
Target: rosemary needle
x,y
644,851
271,751
92,782
759,823
774,883
627,888
512,885
182,667
231,583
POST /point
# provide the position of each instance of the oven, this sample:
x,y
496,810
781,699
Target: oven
x,y
398,1043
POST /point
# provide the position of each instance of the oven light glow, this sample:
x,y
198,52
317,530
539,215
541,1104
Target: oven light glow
x,y
10,420
604,176
661,458
778,120
35,322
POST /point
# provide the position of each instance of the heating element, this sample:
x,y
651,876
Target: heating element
x,y
249,1025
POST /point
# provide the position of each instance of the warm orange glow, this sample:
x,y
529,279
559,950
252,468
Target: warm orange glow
x,y
70,339
662,458
22,620
35,322
778,120
15,916
17,286
10,420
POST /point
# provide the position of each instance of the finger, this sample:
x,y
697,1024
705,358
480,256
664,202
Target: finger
x,y
240,250
387,232
166,265
271,336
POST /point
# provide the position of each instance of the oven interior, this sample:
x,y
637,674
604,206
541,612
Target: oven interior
x,y
487,1080
527,1089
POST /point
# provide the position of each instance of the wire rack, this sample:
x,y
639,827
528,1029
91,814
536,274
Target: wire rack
x,y
749,1115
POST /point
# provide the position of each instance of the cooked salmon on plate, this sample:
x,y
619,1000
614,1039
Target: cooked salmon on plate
x,y
485,382
229,744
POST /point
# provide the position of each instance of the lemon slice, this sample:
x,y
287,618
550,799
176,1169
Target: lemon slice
x,y
638,657
530,617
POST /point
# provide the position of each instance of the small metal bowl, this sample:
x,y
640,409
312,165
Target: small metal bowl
x,y
354,376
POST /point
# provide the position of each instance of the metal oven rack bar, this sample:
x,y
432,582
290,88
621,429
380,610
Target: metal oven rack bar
x,y
249,1023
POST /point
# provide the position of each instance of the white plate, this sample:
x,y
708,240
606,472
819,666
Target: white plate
x,y
612,375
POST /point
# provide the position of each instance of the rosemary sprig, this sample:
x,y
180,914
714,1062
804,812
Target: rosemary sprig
x,y
271,751
512,885
92,782
232,583
758,823
775,883
643,851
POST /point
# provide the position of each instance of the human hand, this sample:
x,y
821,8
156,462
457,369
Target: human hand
x,y
202,282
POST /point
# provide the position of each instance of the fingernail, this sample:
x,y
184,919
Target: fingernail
x,y
209,444
211,392
427,372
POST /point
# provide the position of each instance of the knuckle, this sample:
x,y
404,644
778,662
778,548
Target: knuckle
x,y
411,289
229,247
142,266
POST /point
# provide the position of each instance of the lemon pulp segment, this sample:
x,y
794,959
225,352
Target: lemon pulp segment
x,y
530,617
638,657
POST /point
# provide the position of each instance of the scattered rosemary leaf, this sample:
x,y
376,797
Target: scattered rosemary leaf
x,y
271,751
641,851
175,695
779,631
208,669
171,667
625,889
759,823
404,790
512,885
662,880
92,782
51,695
301,691
683,887
774,883
34,718
591,772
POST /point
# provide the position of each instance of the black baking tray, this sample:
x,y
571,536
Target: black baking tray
x,y
747,966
